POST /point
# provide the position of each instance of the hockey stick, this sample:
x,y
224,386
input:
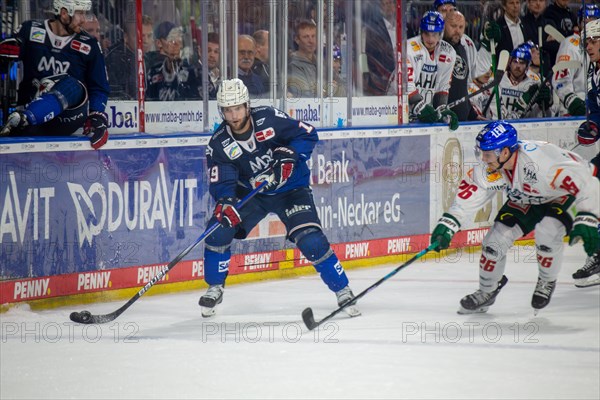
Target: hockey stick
x,y
502,64
309,318
560,66
494,69
487,86
552,31
86,317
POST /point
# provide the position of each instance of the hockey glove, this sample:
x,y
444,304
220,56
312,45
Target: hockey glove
x,y
446,227
450,118
426,113
574,105
491,31
544,97
523,103
284,159
587,134
9,51
585,226
96,128
226,213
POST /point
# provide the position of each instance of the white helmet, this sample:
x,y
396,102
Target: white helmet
x,y
72,5
592,29
232,92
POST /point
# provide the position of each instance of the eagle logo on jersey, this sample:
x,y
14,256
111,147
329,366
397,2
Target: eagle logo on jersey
x,y
37,35
265,134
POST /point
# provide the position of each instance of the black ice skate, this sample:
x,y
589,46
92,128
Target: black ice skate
x,y
542,294
345,295
480,301
210,300
589,274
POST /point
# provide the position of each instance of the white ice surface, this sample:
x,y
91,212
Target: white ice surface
x,y
409,343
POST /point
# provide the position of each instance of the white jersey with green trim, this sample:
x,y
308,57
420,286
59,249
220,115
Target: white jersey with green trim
x,y
570,80
543,173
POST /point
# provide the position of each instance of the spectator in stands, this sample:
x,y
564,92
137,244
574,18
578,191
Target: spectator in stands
x,y
302,67
147,33
559,15
533,22
261,58
246,52
92,26
214,71
444,6
121,66
173,78
506,31
380,48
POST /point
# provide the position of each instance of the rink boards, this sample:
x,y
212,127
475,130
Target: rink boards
x,y
75,221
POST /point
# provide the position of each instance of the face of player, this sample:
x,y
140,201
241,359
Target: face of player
x,y
72,24
307,40
171,46
592,47
430,39
444,9
493,158
518,68
454,29
237,117
213,55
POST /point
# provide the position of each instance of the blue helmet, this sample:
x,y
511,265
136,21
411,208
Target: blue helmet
x,y
496,136
438,3
523,51
591,11
432,21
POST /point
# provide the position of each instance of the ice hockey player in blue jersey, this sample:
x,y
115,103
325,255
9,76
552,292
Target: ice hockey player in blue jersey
x,y
587,135
250,146
64,85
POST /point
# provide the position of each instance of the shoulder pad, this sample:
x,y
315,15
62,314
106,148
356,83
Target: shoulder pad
x,y
414,45
575,40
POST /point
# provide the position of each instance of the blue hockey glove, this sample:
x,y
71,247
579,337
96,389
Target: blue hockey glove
x,y
445,229
585,226
587,134
226,213
284,159
96,128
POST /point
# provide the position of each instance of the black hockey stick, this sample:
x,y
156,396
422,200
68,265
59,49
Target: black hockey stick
x,y
86,317
482,89
309,318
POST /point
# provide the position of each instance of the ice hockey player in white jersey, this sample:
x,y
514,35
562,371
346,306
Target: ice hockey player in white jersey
x,y
569,83
430,62
549,189
519,89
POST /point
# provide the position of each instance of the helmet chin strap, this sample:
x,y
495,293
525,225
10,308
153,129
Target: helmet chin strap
x,y
501,163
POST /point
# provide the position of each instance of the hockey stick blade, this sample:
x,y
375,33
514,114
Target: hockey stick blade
x,y
86,317
560,66
309,318
552,31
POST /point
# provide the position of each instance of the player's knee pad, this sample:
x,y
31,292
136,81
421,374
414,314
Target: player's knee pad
x,y
69,91
221,238
499,240
216,264
549,245
313,244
